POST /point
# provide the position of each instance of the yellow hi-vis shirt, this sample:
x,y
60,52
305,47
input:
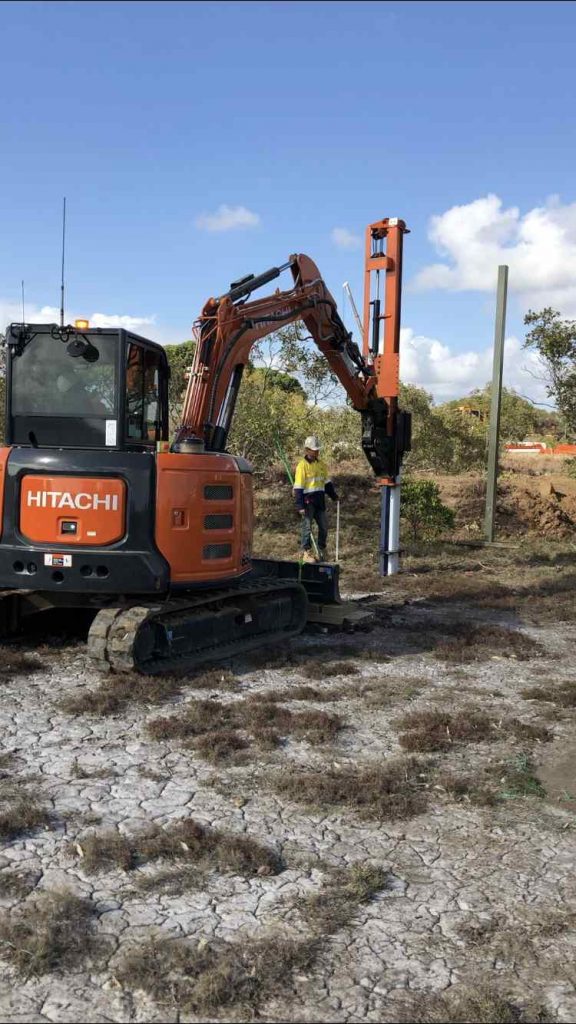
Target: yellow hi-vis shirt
x,y
310,483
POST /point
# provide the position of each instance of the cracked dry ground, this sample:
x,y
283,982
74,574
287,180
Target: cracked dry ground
x,y
472,900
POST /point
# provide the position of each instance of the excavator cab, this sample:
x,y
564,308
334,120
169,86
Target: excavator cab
x,y
75,387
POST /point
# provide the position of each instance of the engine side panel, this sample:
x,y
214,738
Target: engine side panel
x,y
203,516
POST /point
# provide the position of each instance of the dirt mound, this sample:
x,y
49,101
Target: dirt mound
x,y
522,508
526,504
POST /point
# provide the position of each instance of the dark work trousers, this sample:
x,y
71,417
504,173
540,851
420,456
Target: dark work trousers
x,y
319,515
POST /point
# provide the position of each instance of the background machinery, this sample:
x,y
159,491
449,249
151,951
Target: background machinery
x,y
98,511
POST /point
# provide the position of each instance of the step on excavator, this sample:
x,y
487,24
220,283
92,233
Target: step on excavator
x,y
100,511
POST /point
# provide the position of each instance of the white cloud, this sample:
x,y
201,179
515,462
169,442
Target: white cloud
x,y
345,239
11,312
227,218
128,323
431,365
539,246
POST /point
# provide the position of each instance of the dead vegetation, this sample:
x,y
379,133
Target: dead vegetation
x,y
482,1004
323,671
297,692
386,691
213,976
467,643
334,906
53,931
220,731
16,884
117,691
432,730
394,789
563,694
188,840
21,807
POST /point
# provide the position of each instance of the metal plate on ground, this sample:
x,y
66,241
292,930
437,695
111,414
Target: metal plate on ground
x,y
346,615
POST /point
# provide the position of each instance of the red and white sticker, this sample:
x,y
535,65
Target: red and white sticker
x,y
58,561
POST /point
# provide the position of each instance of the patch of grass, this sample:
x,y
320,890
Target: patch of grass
x,y
56,930
563,694
16,885
517,778
381,693
219,731
466,643
481,1004
212,976
331,909
326,670
296,692
511,779
529,730
439,730
469,789
171,881
224,746
433,730
21,809
185,840
117,691
394,789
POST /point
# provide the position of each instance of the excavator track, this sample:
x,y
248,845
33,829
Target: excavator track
x,y
185,633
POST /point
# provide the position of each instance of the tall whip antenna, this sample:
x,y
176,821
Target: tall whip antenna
x,y
23,313
63,253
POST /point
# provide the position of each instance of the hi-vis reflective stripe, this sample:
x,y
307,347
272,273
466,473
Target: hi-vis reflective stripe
x,y
311,476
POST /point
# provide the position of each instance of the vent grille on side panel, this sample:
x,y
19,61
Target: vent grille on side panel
x,y
218,522
218,492
217,551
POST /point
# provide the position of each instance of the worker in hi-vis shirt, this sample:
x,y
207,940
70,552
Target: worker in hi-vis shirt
x,y
312,481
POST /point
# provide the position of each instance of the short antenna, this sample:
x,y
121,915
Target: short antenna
x,y
23,313
63,254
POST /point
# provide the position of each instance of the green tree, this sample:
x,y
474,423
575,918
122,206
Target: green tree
x,y
180,360
291,350
555,341
423,510
266,416
518,416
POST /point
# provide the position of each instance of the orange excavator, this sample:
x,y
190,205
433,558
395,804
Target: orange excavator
x,y
100,512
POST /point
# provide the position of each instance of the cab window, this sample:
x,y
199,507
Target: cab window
x,y
143,399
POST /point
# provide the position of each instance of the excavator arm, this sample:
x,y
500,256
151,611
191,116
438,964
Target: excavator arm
x,y
230,326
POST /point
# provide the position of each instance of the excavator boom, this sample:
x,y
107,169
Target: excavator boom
x,y
230,326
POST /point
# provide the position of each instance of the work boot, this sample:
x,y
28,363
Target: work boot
x,y
308,557
323,555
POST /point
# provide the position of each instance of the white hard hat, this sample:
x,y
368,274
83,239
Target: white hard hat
x,y
312,443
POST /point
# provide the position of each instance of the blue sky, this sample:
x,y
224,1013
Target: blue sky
x,y
309,117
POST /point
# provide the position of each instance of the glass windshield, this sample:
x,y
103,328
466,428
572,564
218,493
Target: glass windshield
x,y
48,381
